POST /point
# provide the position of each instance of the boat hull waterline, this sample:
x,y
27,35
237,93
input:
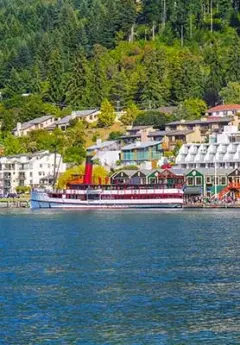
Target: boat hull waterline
x,y
42,200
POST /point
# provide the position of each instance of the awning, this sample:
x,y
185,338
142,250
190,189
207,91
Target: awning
x,y
193,190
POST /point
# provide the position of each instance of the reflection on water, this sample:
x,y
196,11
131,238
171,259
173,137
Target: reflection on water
x,y
119,277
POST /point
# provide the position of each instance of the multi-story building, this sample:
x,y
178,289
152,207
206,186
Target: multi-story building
x,y
136,133
206,126
43,122
28,170
140,152
222,151
171,138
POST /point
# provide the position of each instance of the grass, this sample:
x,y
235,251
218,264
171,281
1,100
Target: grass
x,y
103,132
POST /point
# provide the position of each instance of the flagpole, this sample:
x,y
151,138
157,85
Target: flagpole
x,y
215,176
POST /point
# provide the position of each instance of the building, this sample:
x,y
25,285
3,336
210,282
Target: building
x,y
89,115
107,152
170,177
28,170
224,110
206,126
136,133
222,151
43,122
139,152
171,138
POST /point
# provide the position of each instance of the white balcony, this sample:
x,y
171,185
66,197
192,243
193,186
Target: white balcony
x,y
228,157
236,156
232,148
199,158
183,150
193,149
190,158
212,149
180,159
222,148
219,157
209,158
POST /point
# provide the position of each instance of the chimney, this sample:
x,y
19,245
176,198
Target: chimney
x,y
88,171
144,136
19,126
99,141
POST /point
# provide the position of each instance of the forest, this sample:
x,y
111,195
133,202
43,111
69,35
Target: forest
x,y
73,54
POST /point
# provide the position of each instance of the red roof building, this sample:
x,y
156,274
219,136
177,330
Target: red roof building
x,y
224,110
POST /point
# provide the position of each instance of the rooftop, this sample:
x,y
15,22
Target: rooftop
x,y
76,114
202,121
36,121
169,133
101,145
224,107
141,145
137,128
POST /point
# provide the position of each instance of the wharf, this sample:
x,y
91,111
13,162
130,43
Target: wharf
x,y
14,203
210,206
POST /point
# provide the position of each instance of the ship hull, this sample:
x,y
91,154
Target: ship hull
x,y
42,201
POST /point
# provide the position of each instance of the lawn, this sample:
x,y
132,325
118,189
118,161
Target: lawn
x,y
103,132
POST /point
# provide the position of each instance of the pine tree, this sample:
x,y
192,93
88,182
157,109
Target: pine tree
x,y
233,62
99,89
78,93
55,93
155,86
106,117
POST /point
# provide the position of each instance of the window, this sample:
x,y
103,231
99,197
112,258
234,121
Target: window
x,y
40,165
198,180
208,180
223,181
30,174
190,181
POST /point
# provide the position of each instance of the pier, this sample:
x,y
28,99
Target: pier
x,y
14,203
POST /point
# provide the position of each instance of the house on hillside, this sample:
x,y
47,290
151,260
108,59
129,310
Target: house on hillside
x,y
224,110
171,138
136,133
206,126
43,122
140,152
106,152
89,115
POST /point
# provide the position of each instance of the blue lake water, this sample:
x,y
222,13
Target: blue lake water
x,y
124,277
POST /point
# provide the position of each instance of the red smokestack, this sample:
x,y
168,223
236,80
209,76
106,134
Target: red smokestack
x,y
88,171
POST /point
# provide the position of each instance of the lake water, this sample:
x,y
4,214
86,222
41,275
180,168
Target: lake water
x,y
124,277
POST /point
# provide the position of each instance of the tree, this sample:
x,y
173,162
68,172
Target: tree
x,y
68,175
99,89
130,115
231,93
106,117
191,109
153,118
56,90
155,86
79,82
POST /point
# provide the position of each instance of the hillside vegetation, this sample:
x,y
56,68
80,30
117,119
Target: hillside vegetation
x,y
74,54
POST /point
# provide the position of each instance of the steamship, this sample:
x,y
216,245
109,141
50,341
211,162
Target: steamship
x,y
84,194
